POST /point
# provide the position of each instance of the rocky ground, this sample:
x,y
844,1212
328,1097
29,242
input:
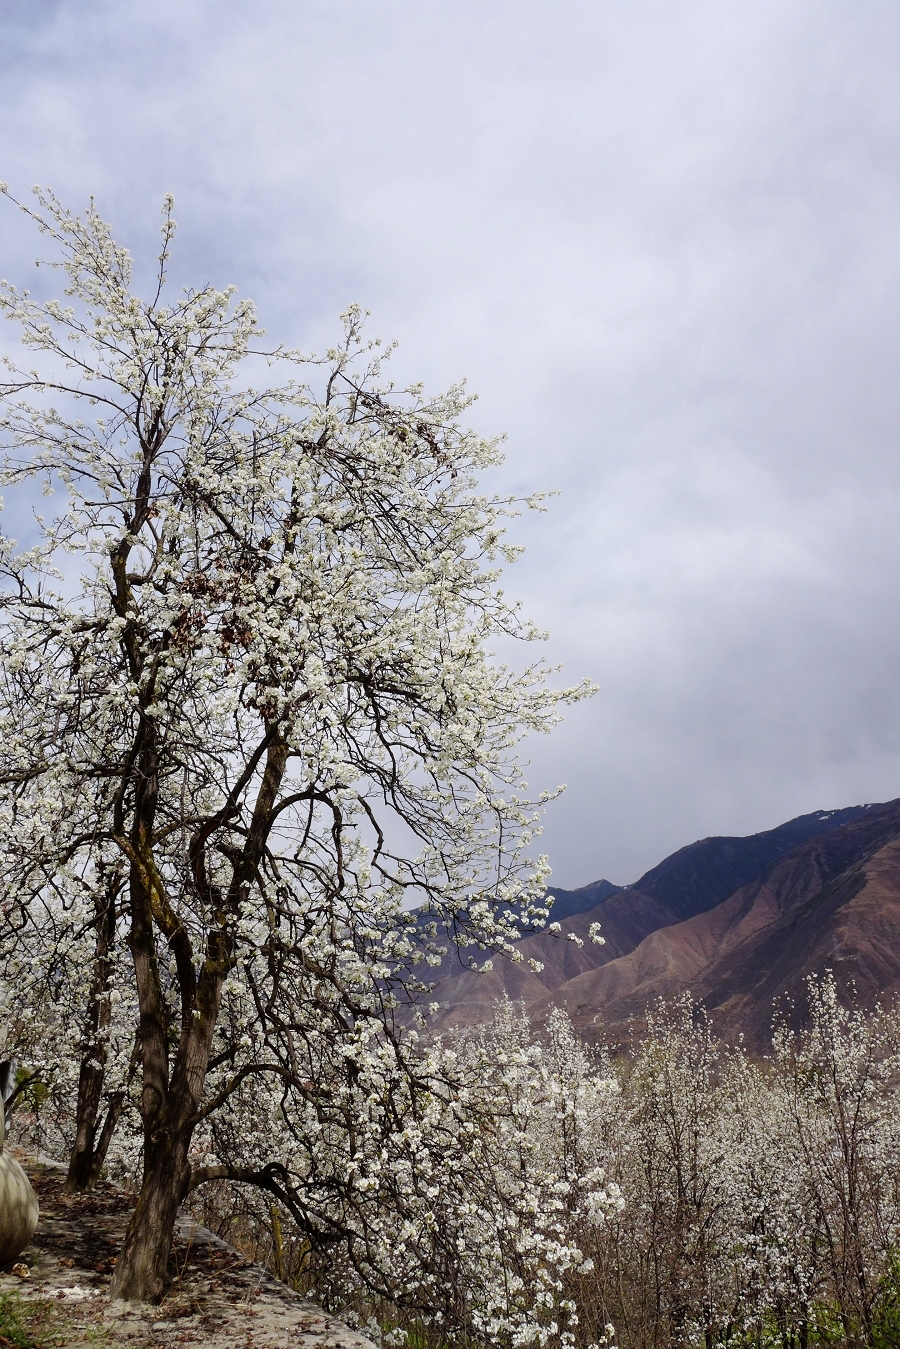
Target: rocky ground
x,y
57,1294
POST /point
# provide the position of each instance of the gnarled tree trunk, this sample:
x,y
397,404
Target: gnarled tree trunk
x,y
170,1102
142,1268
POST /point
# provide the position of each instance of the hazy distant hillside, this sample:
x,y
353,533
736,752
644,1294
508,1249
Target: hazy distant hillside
x,y
738,921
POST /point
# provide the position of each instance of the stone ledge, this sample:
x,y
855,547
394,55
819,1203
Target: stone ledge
x,y
218,1297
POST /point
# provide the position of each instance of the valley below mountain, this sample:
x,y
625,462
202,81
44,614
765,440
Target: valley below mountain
x,y
739,923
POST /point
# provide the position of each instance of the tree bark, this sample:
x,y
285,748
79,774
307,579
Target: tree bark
x,y
142,1270
169,1108
170,1102
90,1147
91,1138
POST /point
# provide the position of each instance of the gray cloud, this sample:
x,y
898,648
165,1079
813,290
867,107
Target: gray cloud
x,y
661,242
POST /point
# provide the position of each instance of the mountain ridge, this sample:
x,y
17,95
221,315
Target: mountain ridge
x,y
738,922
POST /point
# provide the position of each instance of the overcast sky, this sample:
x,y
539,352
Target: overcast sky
x,y
661,242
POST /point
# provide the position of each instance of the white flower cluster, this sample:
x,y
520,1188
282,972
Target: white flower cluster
x,y
457,1195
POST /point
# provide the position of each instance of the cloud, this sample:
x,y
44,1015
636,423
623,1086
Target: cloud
x,y
660,241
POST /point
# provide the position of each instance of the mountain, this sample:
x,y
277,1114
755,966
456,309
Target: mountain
x,y
704,873
737,921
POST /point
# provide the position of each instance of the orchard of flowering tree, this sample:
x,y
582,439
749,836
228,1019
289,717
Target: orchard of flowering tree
x,y
257,771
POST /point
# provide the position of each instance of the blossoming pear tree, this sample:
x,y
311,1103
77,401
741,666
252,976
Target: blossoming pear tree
x,y
249,714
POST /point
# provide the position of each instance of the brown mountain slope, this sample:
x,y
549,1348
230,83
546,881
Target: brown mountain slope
x,y
852,927
834,902
690,881
626,918
830,900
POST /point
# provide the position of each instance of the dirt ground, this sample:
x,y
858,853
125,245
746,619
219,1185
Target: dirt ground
x,y
218,1298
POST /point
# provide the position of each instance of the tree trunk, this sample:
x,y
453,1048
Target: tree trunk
x,y
169,1105
89,1149
81,1160
89,1152
142,1269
